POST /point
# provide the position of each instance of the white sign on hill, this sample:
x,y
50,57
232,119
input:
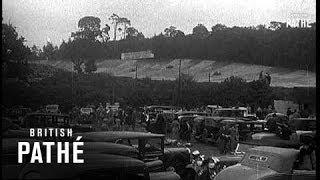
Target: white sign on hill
x,y
282,106
137,55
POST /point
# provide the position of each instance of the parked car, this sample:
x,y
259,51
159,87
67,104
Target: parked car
x,y
265,162
150,146
280,117
303,124
40,120
102,161
207,128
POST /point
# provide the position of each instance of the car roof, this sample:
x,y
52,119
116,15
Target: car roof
x,y
303,119
277,114
155,106
108,136
273,143
285,153
47,114
233,109
187,112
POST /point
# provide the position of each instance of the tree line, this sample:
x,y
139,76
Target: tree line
x,y
276,45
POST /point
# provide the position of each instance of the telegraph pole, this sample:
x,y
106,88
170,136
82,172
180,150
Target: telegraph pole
x,y
179,81
136,71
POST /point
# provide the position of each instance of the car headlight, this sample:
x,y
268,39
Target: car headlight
x,y
211,165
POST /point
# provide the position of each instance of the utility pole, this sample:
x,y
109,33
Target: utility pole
x,y
179,85
209,76
136,71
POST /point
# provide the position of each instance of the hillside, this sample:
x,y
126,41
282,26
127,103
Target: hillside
x,y
199,69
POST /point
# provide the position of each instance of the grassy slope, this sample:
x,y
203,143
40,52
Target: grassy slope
x,y
199,69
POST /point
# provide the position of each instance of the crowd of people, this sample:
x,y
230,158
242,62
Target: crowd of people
x,y
108,118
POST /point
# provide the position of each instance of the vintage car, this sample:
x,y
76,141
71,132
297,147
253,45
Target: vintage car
x,y
16,114
191,113
303,124
39,120
230,112
280,117
150,147
265,162
207,128
217,163
102,160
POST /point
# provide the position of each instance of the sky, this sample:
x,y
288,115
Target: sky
x,y
40,21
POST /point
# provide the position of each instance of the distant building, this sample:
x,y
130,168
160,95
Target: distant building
x,y
137,55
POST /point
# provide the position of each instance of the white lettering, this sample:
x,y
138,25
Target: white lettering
x,y
36,153
48,150
63,151
22,151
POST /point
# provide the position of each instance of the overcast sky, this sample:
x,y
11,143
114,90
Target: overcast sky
x,y
40,21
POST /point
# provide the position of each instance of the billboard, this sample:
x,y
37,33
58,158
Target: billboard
x,y
137,55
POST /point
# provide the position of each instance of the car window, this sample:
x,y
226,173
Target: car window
x,y
243,148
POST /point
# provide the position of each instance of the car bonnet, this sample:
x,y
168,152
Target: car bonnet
x,y
241,172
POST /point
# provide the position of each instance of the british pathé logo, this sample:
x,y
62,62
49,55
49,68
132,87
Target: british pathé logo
x,y
301,20
45,152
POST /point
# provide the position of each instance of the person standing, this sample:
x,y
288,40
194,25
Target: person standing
x,y
160,124
233,137
295,114
259,113
175,129
289,112
268,78
272,124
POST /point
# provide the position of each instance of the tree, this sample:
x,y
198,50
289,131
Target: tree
x,y
133,33
49,51
77,63
261,27
89,29
200,31
105,33
218,27
173,32
115,21
90,66
125,22
14,53
275,25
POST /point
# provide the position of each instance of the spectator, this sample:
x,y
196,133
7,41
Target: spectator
x,y
249,108
272,124
175,129
160,124
268,78
234,135
259,113
224,140
289,112
270,109
295,114
261,76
